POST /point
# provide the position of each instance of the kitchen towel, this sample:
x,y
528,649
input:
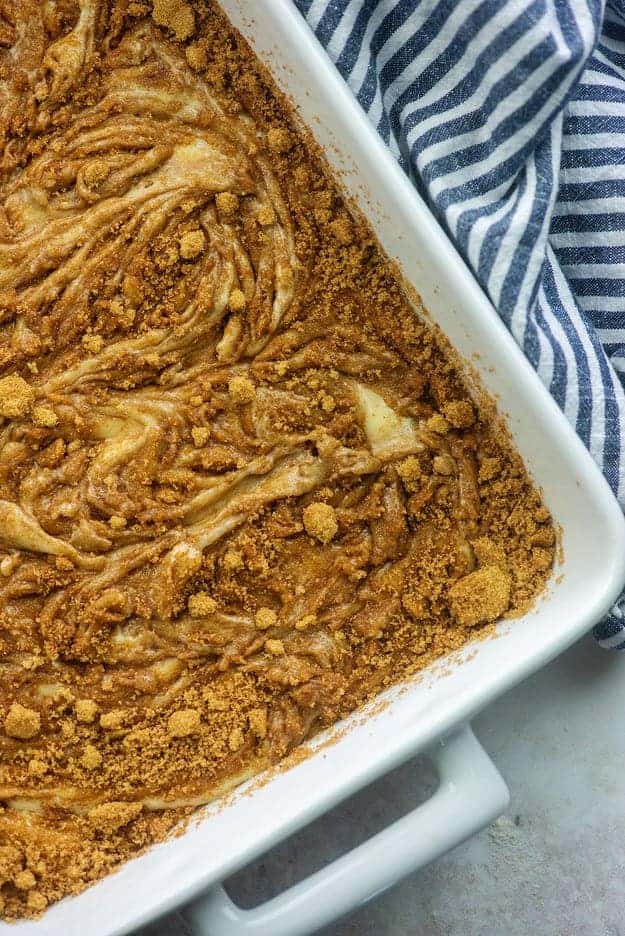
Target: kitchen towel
x,y
509,116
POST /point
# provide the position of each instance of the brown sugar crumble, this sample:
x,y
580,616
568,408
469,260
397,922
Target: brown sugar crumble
x,y
24,880
459,414
183,723
227,204
437,423
91,757
235,739
265,618
241,389
237,302
279,139
36,767
22,722
232,561
320,521
176,15
16,396
257,719
44,416
196,56
112,721
93,343
480,596
200,435
36,902
275,647
86,710
244,487
109,817
266,216
201,604
192,244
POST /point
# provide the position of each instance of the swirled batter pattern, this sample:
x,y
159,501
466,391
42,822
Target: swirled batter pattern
x,y
243,486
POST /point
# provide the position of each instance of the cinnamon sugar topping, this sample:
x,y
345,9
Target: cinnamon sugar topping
x,y
86,710
44,416
183,723
320,521
91,757
481,596
237,301
227,204
201,604
459,414
176,15
22,722
241,389
244,487
16,397
200,435
192,244
265,618
109,817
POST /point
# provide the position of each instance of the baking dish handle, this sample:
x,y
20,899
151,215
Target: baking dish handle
x,y
470,794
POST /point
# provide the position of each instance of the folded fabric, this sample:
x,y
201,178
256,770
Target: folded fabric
x,y
509,116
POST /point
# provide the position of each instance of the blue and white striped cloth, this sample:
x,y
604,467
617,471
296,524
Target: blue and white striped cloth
x,y
509,115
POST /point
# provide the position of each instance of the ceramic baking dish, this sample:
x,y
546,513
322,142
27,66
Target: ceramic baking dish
x,y
440,704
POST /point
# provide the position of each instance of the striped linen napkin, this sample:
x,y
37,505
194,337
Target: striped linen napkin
x,y
509,115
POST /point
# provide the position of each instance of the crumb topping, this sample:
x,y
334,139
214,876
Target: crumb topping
x,y
241,389
481,596
24,880
192,244
109,817
275,647
201,604
183,723
279,139
320,521
117,523
176,15
16,397
44,416
244,486
21,722
93,343
265,618
91,757
227,204
86,710
200,435
437,423
459,414
257,719
237,303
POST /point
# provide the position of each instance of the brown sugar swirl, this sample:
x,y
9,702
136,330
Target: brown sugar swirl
x,y
243,486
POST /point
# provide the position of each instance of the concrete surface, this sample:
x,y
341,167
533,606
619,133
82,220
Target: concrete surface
x,y
553,866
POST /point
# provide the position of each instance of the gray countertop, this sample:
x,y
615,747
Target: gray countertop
x,y
554,865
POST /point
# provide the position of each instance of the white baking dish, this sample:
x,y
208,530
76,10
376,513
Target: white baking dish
x,y
439,704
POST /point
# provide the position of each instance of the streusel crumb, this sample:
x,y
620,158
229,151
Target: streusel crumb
x,y
244,486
